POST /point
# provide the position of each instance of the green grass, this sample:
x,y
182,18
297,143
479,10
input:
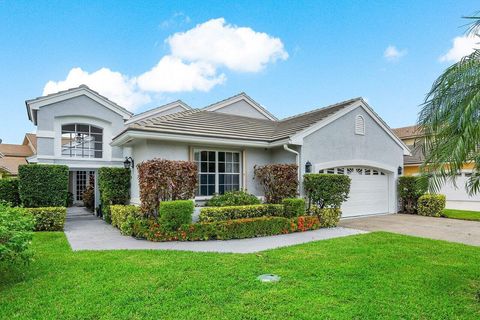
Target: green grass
x,y
461,214
372,276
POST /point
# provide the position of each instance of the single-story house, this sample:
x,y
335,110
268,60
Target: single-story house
x,y
456,194
14,155
85,131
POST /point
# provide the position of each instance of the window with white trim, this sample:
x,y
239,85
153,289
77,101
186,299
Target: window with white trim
x,y
218,171
359,125
82,141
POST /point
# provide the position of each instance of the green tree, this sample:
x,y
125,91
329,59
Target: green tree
x,y
450,120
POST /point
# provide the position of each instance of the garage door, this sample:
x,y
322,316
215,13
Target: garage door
x,y
457,196
368,190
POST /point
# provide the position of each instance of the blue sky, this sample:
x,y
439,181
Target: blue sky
x,y
306,54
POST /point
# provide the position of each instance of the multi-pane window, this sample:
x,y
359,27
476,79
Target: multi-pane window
x,y
82,141
218,171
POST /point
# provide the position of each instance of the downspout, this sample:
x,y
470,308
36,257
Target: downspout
x,y
297,158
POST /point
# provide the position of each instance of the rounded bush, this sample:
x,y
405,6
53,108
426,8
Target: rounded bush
x,y
233,198
431,205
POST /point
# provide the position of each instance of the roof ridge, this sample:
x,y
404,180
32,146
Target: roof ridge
x,y
321,109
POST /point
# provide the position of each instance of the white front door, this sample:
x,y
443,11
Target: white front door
x,y
369,192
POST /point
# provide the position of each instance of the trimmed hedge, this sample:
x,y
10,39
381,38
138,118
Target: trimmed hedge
x,y
49,218
326,190
431,205
173,214
211,214
294,207
131,222
114,187
124,218
411,188
9,191
230,229
16,228
43,185
233,198
329,217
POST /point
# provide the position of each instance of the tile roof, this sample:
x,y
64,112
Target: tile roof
x,y
33,139
408,132
15,150
216,124
10,164
417,156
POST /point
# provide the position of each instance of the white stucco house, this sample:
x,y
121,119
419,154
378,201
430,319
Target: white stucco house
x,y
85,131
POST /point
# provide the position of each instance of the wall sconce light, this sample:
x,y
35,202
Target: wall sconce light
x,y
128,163
308,167
400,170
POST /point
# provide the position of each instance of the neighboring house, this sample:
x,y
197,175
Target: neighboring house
x,y
13,155
86,131
456,194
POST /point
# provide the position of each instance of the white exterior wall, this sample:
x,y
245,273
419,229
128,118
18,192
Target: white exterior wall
x,y
336,144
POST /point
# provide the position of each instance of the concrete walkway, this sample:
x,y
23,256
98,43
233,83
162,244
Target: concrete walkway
x,y
86,232
461,231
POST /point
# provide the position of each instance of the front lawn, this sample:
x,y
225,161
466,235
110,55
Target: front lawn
x,y
372,276
461,214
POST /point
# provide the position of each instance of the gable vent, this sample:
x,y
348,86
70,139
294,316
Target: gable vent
x,y
359,125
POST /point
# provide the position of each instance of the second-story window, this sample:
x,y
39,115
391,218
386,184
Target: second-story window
x,y
82,141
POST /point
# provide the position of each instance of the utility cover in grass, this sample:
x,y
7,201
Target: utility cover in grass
x,y
268,278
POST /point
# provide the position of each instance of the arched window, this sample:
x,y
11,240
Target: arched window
x,y
359,125
82,141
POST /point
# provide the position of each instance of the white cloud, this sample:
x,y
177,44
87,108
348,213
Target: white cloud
x,y
177,19
196,55
171,74
393,54
222,44
462,46
114,85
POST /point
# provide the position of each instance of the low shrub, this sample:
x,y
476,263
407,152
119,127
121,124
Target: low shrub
x,y
88,196
250,228
279,181
326,190
328,217
411,188
48,218
431,205
9,191
43,185
233,198
211,214
16,227
173,214
124,218
305,223
294,207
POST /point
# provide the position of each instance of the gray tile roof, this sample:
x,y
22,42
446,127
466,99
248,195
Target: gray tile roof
x,y
201,122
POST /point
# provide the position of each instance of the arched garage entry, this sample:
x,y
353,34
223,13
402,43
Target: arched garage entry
x,y
371,189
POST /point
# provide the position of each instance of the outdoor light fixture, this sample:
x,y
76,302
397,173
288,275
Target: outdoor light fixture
x,y
128,163
308,167
400,171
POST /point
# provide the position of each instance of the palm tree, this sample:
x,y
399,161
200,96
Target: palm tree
x,y
450,120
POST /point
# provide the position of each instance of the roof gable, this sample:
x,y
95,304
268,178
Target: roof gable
x,y
165,109
241,105
34,104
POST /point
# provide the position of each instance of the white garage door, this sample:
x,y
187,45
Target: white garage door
x,y
368,190
457,196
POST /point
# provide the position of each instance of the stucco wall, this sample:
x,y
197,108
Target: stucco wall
x,y
150,149
338,141
242,108
80,109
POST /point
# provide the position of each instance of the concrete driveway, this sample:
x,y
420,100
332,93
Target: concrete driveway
x,y
467,232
